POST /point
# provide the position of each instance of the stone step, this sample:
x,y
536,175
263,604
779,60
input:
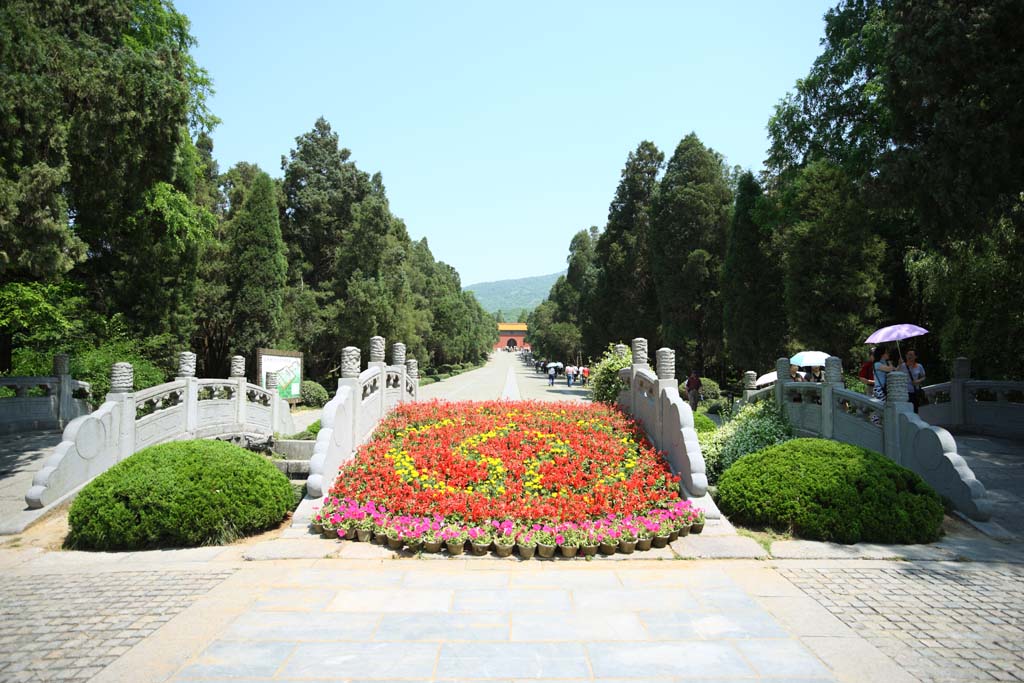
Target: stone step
x,y
293,469
293,449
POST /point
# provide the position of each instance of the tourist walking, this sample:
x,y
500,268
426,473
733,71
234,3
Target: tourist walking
x,y
551,376
570,375
585,371
916,372
693,390
867,373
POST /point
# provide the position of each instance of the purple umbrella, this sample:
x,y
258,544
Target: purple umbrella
x,y
895,333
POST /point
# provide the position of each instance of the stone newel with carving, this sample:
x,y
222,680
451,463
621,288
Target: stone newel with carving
x,y
238,366
896,387
377,349
833,370
350,362
749,380
61,364
122,378
412,367
639,351
186,364
621,349
398,353
666,363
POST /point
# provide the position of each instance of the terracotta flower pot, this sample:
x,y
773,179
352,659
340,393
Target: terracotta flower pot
x,y
481,548
684,531
329,533
350,534
697,528
380,538
431,546
546,551
608,548
569,550
456,547
317,527
588,550
503,550
674,535
413,545
627,547
363,535
644,543
526,551
395,543
660,541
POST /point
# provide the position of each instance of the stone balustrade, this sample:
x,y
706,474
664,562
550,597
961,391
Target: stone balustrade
x,y
361,401
43,403
129,420
976,405
652,397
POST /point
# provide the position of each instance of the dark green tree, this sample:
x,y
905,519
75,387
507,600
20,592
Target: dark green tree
x,y
257,279
689,216
753,310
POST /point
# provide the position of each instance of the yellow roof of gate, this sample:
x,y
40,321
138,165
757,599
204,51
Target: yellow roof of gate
x,y
511,327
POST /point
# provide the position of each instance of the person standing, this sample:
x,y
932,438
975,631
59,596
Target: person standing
x,y
551,376
693,390
916,372
867,373
882,368
586,374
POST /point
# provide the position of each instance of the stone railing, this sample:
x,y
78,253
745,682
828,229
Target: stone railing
x,y
652,397
890,427
43,402
973,405
362,400
128,421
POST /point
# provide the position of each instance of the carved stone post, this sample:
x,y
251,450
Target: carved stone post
x,y
412,369
187,373
350,362
621,349
238,375
122,383
187,364
398,354
833,381
62,370
749,380
639,345
782,376
666,363
122,378
896,402
958,390
377,349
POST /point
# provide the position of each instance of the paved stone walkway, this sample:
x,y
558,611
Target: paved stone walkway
x,y
999,464
71,627
21,456
945,623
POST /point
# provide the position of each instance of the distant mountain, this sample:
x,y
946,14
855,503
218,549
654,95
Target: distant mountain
x,y
511,296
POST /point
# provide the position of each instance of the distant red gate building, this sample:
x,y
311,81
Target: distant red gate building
x,y
511,335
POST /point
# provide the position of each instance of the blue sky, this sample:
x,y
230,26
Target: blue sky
x,y
500,129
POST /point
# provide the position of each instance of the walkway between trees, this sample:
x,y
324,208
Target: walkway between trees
x,y
21,456
489,383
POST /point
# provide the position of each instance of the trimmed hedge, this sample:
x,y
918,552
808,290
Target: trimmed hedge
x,y
752,428
830,491
180,494
709,389
313,394
703,424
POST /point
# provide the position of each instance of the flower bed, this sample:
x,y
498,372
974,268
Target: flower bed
x,y
540,476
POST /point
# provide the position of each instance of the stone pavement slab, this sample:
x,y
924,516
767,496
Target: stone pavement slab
x,y
21,456
718,547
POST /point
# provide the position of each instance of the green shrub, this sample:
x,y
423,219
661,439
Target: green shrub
x,y
313,394
854,383
754,427
179,494
424,381
709,389
605,384
703,423
830,491
309,433
717,406
93,366
445,369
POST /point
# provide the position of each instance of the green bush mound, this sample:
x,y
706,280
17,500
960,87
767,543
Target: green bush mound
x,y
307,434
313,394
709,389
830,491
180,494
753,427
703,424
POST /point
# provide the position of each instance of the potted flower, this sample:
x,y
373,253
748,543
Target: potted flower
x,y
527,544
608,541
364,529
664,532
331,525
480,539
698,521
316,525
568,539
454,538
545,537
432,536
645,534
627,537
504,537
589,540
394,538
